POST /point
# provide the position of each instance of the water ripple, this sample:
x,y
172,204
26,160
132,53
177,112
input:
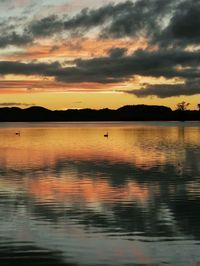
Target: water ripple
x,y
70,197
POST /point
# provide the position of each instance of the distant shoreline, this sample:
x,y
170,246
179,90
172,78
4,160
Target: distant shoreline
x,y
129,113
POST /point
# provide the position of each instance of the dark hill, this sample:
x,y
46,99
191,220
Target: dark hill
x,y
125,113
36,109
144,112
145,108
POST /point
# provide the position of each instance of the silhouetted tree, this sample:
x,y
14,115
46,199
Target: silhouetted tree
x,y
182,106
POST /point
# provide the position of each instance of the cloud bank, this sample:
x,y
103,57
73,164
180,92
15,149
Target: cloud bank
x,y
170,28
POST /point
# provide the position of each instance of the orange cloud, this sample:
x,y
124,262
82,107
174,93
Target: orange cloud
x,y
75,48
38,84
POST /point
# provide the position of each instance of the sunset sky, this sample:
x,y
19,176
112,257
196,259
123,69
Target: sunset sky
x,y
95,54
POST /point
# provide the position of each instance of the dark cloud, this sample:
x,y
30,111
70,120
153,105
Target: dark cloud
x,y
166,23
161,22
142,18
45,27
12,34
127,18
83,21
110,69
88,18
168,90
14,39
169,25
113,69
184,26
117,52
120,67
19,68
10,104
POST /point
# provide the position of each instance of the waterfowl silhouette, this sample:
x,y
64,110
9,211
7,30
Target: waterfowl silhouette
x,y
17,133
106,135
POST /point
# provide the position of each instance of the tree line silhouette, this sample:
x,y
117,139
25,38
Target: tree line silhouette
x,y
125,113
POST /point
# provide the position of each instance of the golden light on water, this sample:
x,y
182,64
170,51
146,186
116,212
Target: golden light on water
x,y
38,148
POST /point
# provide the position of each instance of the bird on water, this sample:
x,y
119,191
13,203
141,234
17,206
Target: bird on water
x,y
106,135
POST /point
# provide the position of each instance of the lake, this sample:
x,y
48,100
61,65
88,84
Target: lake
x,y
70,196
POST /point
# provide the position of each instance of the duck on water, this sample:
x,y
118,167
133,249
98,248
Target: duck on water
x,y
106,135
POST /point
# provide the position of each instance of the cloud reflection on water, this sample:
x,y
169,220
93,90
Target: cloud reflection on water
x,y
67,184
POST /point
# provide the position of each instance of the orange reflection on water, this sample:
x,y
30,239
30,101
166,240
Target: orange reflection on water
x,y
75,166
135,145
44,147
85,190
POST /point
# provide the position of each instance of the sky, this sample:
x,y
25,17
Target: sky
x,y
99,54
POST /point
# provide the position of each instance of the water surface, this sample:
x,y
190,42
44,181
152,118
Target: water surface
x,y
70,196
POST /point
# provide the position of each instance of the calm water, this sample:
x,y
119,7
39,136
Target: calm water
x,y
69,196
